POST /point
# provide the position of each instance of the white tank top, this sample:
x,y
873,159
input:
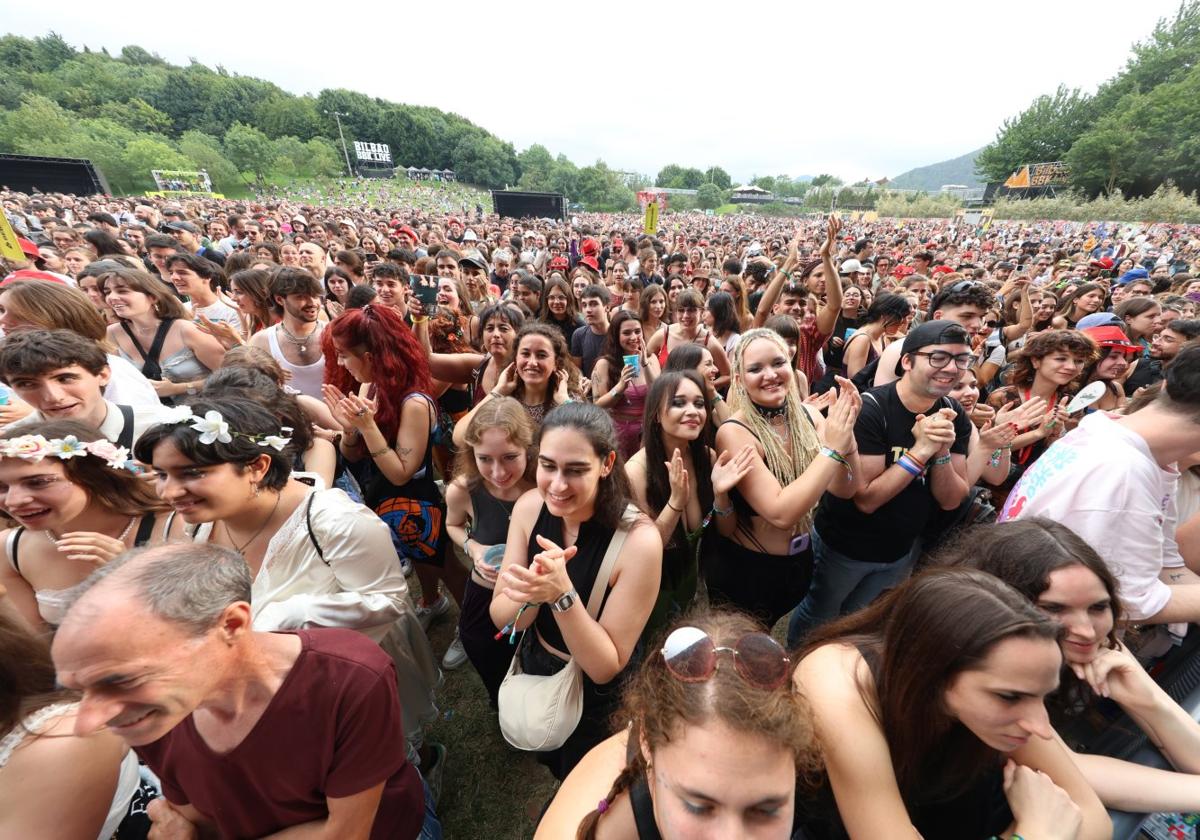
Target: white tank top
x,y
306,379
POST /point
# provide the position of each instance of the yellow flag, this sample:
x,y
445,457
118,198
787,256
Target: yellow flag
x,y
650,226
10,248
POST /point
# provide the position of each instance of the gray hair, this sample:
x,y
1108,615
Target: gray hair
x,y
189,584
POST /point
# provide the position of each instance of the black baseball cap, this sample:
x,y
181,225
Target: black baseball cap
x,y
931,333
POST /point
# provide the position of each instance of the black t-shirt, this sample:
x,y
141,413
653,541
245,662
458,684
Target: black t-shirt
x,y
1148,372
884,427
588,346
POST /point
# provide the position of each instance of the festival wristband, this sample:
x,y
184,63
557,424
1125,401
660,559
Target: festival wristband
x,y
945,459
830,452
906,464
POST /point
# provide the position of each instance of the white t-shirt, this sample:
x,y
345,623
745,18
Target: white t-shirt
x,y
127,385
1102,482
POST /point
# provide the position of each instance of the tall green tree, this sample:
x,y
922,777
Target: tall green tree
x,y
250,150
717,175
1045,131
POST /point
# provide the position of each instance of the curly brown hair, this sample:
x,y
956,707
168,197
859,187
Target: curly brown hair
x,y
1043,344
659,706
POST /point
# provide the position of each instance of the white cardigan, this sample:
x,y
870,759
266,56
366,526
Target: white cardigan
x,y
358,585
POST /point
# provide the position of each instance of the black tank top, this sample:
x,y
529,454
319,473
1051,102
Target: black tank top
x,y
582,568
489,525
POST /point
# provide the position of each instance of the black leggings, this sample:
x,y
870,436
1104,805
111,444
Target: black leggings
x,y
477,632
767,586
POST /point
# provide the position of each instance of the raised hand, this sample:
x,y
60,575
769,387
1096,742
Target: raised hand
x,y
89,546
838,432
677,477
730,468
506,382
221,331
832,230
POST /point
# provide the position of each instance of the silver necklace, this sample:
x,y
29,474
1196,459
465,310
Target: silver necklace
x,y
50,534
301,343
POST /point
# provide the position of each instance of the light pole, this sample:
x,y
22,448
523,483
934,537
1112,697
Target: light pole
x,y
337,115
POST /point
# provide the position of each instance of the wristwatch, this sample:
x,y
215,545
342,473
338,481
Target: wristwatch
x,y
565,602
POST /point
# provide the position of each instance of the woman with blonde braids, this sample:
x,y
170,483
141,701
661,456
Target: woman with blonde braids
x,y
763,563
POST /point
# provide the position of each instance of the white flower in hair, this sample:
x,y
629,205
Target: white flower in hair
x,y
176,414
276,441
67,448
212,428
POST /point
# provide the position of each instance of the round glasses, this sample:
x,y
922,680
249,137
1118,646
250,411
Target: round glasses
x,y
691,656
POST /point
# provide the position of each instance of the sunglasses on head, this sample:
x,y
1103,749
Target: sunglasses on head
x,y
691,656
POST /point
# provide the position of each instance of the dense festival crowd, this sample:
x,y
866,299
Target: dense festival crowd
x,y
958,466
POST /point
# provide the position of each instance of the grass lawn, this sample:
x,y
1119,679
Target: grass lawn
x,y
489,789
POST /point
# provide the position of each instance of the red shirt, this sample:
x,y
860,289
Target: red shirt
x,y
332,730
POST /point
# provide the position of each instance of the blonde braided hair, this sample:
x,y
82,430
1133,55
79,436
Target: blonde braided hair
x,y
805,444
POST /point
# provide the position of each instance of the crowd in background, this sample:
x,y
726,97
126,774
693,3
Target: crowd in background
x,y
948,465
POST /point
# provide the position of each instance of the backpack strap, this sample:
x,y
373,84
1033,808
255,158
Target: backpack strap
x,y
125,438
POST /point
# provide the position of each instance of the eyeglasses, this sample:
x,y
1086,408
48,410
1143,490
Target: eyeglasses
x,y
691,656
938,359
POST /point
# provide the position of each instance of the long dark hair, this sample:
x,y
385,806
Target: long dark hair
x,y
27,681
571,315
916,639
614,353
658,485
593,422
725,319
245,416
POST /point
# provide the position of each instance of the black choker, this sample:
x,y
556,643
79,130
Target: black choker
x,y
770,413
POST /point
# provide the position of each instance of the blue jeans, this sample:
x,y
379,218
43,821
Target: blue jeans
x,y
431,829
841,585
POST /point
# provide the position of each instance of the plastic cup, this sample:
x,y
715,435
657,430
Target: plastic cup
x,y
494,555
634,360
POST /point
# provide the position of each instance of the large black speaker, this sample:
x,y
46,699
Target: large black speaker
x,y
520,205
26,173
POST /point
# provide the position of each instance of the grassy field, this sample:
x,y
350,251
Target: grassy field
x,y
489,790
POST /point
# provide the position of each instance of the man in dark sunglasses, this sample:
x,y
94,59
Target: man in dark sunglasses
x,y
912,443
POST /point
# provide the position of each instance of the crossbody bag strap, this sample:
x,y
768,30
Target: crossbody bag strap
x,y
610,560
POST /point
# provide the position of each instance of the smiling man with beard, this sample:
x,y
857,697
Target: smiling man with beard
x,y
295,341
251,733
912,442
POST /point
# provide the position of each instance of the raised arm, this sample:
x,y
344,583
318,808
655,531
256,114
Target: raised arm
x,y
828,314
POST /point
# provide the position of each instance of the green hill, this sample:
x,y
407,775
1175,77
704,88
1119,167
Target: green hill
x,y
959,170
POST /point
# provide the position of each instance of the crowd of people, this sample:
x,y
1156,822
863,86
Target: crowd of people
x,y
954,470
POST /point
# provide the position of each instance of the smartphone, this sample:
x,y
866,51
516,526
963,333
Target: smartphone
x,y
425,289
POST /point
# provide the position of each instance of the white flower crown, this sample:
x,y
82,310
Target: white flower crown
x,y
213,427
35,448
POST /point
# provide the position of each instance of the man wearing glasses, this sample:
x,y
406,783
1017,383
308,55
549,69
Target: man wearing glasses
x,y
912,442
966,303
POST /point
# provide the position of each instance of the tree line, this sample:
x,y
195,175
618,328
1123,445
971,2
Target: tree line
x,y
1136,133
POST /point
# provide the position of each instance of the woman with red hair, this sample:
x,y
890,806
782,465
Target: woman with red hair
x,y
377,385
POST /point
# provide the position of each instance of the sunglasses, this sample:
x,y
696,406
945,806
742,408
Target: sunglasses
x,y
692,656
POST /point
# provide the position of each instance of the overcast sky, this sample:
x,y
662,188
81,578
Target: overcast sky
x,y
866,89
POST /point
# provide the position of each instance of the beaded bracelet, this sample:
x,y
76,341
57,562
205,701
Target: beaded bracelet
x,y
719,512
945,459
